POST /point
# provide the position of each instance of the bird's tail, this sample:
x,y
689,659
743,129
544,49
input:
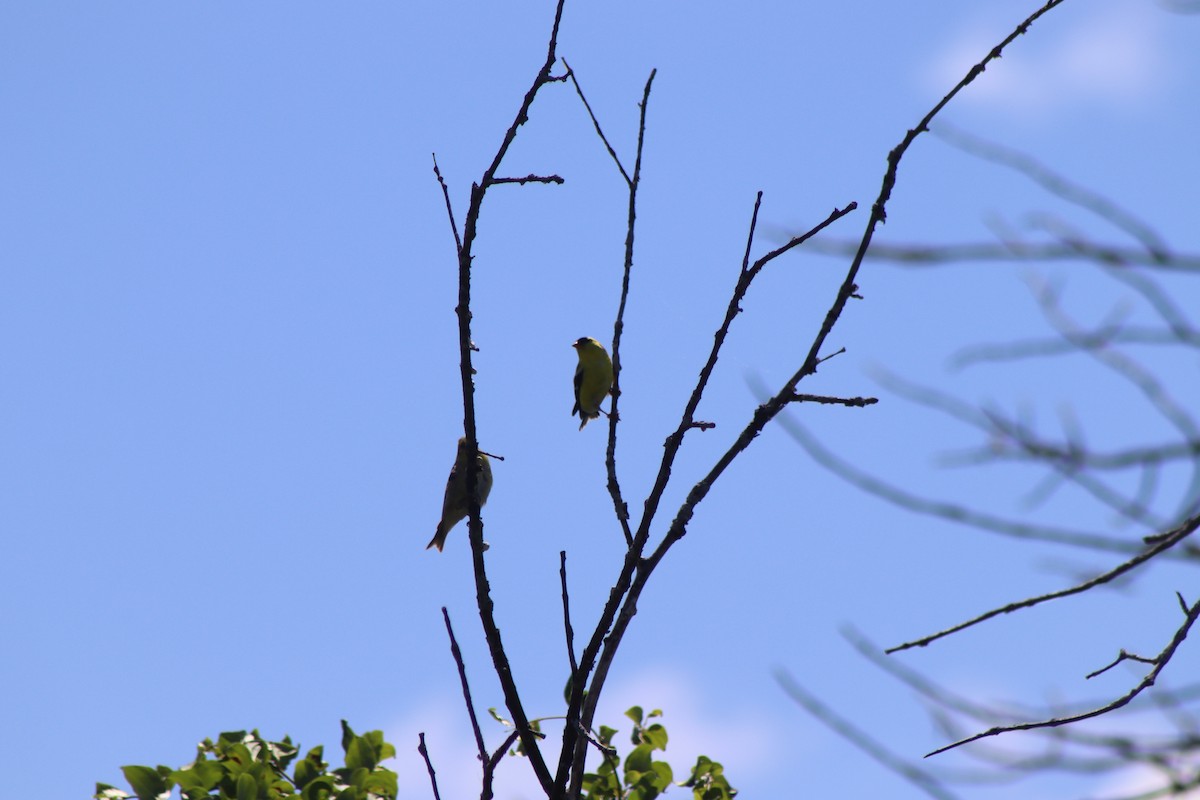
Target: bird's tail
x,y
438,540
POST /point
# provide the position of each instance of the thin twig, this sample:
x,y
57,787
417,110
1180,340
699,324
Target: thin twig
x,y
1123,655
449,210
428,764
570,634
596,123
531,178
466,689
850,402
489,766
610,458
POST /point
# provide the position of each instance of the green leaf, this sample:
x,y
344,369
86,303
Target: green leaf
x,y
247,787
107,792
635,714
655,736
606,735
703,765
347,736
604,786
320,788
708,781
236,756
496,716
360,754
382,782
283,752
147,783
200,778
638,760
310,767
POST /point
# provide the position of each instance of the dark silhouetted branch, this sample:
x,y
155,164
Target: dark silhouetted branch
x,y
428,764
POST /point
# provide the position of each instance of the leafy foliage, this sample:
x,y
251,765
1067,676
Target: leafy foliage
x,y
245,766
643,778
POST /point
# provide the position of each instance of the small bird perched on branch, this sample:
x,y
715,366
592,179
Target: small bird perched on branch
x,y
454,504
593,379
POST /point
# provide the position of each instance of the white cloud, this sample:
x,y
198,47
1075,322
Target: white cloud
x,y
1114,56
698,725
452,750
743,742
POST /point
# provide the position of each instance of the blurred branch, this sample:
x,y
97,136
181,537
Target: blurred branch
x,y
916,776
1059,186
1066,749
1134,373
923,255
1105,336
1160,662
1169,540
949,511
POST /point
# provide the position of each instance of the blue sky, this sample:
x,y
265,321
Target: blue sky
x,y
231,385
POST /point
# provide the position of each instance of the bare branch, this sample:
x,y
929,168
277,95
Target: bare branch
x,y
574,751
570,634
531,178
489,766
462,677
610,457
1122,656
850,402
483,598
428,764
596,123
449,210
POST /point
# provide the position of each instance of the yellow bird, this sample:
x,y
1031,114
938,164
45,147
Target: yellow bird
x,y
593,379
454,504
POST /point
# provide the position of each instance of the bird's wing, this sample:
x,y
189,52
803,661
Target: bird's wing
x,y
449,484
578,385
